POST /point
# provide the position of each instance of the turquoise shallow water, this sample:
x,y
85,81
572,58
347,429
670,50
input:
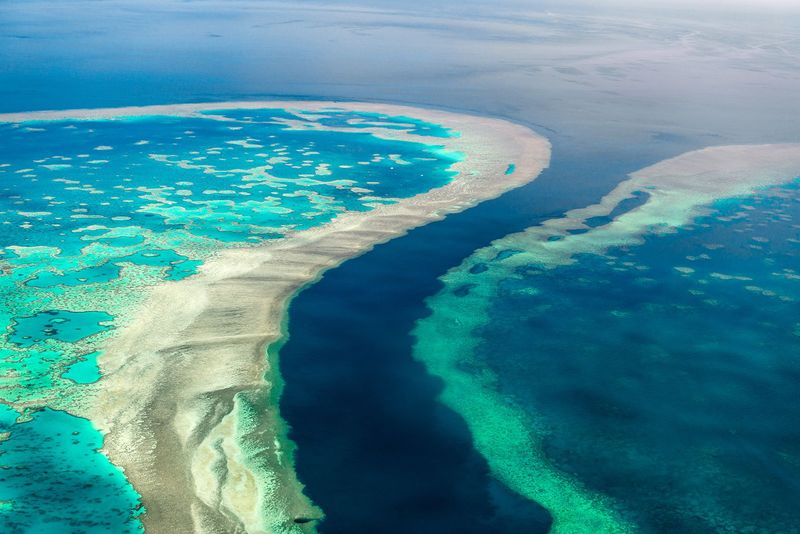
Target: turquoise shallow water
x,y
54,481
96,211
658,380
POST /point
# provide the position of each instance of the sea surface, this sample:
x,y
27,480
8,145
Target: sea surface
x,y
647,386
659,380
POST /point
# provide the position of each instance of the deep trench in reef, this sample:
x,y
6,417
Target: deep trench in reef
x,y
375,448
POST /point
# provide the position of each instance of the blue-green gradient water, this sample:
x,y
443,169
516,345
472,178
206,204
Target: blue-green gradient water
x,y
615,86
660,378
94,212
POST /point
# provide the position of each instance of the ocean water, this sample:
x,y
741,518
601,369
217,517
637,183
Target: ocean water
x,y
364,414
54,480
647,387
614,87
95,212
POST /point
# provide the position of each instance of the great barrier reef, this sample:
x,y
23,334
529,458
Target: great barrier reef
x,y
383,267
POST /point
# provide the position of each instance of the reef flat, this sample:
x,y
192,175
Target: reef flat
x,y
498,318
171,290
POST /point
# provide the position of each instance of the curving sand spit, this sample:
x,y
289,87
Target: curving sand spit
x,y
187,398
677,189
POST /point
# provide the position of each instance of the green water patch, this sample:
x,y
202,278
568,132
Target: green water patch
x,y
85,370
178,266
122,241
53,480
663,372
8,417
62,325
508,437
90,275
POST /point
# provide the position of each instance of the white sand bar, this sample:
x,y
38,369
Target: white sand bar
x,y
178,380
678,190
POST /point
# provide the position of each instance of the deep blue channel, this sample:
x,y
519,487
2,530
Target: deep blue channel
x,y
376,450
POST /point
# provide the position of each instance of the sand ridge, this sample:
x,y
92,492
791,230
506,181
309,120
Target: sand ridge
x,y
677,190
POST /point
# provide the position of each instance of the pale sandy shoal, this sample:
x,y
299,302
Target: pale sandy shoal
x,y
679,189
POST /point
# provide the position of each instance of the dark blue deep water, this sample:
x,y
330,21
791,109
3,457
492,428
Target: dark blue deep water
x,y
364,414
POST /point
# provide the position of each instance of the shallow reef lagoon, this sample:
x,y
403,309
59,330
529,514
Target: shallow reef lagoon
x,y
95,211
